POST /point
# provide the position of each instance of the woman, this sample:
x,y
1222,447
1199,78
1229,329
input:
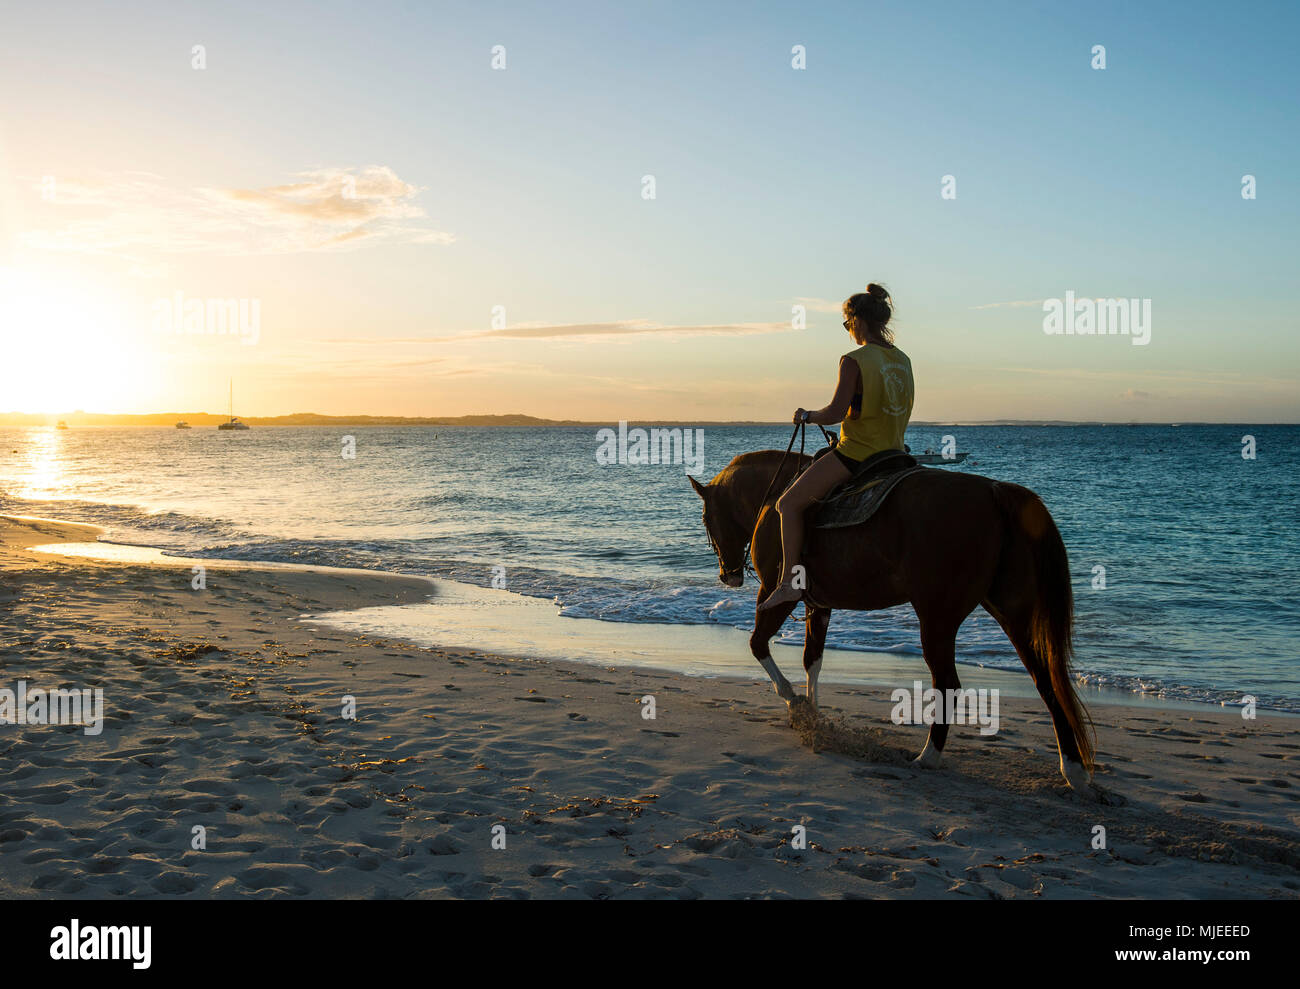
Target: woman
x,y
873,398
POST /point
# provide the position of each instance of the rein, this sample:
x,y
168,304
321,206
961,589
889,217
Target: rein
x,y
800,429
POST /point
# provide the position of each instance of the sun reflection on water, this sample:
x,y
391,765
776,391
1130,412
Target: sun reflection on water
x,y
44,473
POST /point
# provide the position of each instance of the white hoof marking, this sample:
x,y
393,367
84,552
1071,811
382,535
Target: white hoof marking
x,y
814,672
929,757
1075,774
779,683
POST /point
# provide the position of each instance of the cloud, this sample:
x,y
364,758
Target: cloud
x,y
1133,394
617,330
820,305
367,358
621,328
1176,378
1020,304
141,217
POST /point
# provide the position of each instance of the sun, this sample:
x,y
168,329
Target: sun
x,y
65,346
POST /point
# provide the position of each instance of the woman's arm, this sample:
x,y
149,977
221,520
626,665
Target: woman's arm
x,y
845,389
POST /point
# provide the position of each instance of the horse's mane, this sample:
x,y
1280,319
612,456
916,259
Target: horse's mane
x,y
760,460
755,457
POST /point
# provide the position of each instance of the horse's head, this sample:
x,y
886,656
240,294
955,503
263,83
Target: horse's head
x,y
727,536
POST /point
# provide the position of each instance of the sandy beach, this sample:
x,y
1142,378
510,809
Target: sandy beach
x,y
224,710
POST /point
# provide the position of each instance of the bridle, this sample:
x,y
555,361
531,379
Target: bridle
x,y
717,551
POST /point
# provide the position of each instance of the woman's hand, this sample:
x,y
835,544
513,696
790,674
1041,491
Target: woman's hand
x,y
800,415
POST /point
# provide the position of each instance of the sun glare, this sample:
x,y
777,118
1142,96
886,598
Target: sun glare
x,y
66,348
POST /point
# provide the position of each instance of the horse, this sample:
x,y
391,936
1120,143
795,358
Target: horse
x,y
944,542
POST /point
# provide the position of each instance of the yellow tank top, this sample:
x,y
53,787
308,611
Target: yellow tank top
x,y
887,392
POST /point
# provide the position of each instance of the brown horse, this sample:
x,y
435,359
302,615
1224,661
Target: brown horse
x,y
944,542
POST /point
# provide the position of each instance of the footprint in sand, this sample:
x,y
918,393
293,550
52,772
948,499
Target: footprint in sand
x,y
42,855
878,774
1131,775
747,760
1196,755
60,797
266,878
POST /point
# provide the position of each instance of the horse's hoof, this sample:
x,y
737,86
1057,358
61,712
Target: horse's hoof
x,y
929,757
1078,777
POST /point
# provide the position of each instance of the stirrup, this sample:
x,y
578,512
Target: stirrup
x,y
771,601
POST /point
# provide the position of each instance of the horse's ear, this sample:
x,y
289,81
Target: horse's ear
x,y
700,489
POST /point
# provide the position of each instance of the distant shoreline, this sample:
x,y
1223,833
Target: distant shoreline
x,y
209,420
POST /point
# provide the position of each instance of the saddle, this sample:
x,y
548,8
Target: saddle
x,y
858,498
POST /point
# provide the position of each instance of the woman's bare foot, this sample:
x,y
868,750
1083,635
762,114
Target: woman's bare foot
x,y
784,593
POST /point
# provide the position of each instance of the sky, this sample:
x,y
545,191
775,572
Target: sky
x,y
443,209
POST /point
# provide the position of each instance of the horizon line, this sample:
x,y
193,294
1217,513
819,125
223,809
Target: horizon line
x,y
525,420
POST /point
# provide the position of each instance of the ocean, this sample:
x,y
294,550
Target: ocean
x,y
1199,545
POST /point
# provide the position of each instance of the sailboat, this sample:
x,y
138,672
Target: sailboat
x,y
233,422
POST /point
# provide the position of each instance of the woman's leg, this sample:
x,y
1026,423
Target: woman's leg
x,y
817,480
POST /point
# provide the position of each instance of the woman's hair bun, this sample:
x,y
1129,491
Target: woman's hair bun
x,y
872,310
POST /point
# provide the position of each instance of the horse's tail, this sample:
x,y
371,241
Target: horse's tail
x,y
1051,620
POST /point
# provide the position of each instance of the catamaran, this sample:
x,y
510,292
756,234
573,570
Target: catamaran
x,y
233,422
930,457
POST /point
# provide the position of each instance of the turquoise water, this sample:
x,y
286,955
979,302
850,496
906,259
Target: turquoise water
x,y
1199,546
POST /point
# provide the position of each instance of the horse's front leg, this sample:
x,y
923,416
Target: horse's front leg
x,y
816,622
766,624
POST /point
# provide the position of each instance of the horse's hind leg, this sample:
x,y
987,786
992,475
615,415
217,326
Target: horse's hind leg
x,y
939,643
766,624
816,622
1071,761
